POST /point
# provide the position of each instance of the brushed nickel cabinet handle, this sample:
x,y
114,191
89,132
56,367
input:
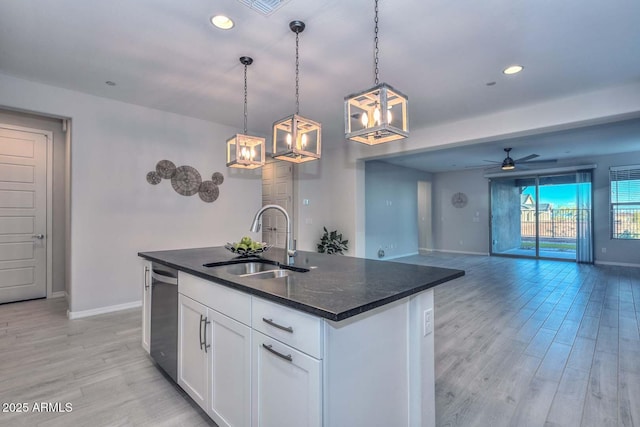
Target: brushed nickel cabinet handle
x,y
206,346
275,325
286,357
200,333
146,277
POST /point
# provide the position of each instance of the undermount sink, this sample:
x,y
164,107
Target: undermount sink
x,y
258,268
250,268
267,274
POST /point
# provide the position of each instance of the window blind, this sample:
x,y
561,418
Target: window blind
x,y
625,202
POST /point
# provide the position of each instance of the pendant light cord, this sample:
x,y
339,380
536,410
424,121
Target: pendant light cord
x,y
245,99
297,74
376,50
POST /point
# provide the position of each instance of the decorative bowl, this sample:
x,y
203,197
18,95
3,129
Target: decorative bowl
x,y
247,252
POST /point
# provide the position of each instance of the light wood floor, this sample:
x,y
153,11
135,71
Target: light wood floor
x,y
536,343
97,364
518,343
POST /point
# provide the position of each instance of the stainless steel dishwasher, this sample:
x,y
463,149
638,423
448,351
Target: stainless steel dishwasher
x,y
164,318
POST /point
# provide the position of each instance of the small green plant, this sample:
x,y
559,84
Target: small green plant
x,y
332,243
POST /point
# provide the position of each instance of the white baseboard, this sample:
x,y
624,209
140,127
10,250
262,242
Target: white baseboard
x,y
102,310
620,264
59,294
397,256
459,252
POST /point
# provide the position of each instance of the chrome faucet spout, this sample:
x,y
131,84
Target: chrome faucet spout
x,y
289,253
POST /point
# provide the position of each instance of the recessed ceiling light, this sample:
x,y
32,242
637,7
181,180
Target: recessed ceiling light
x,y
110,83
222,22
513,69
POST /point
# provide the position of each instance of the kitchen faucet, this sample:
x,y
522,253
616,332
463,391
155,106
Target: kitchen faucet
x,y
255,227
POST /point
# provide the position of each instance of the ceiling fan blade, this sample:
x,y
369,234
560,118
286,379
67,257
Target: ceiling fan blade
x,y
527,158
491,161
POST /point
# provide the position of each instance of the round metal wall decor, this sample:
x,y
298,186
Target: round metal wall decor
x,y
166,169
209,191
153,178
217,178
459,200
186,181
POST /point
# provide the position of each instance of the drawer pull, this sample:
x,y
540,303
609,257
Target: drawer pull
x,y
275,325
286,357
200,333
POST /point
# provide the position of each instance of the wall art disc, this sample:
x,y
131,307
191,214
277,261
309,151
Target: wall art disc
x,y
209,191
153,178
166,169
217,178
186,181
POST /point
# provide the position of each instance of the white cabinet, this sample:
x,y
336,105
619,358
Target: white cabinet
x,y
214,351
229,401
287,385
192,358
251,362
146,305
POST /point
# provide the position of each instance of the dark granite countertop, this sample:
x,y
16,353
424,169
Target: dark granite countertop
x,y
338,288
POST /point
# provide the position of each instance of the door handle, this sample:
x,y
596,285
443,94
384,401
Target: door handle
x,y
146,277
38,236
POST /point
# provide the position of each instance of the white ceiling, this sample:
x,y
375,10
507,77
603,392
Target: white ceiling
x,y
165,54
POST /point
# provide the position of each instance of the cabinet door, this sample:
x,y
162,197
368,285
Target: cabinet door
x,y
286,385
230,371
192,358
146,306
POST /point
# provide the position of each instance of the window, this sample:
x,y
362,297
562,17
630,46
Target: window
x,y
625,202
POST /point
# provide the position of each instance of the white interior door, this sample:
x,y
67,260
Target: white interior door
x,y
23,215
277,189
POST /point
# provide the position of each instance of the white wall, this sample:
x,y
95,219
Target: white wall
x,y
391,205
461,229
115,213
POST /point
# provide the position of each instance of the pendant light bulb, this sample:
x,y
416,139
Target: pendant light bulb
x,y
389,115
303,140
289,139
365,119
376,116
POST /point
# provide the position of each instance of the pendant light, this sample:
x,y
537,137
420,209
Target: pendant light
x,y
245,151
378,114
295,138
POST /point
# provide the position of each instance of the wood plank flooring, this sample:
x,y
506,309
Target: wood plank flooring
x,y
518,343
523,342
96,364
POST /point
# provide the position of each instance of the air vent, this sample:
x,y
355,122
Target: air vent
x,y
266,7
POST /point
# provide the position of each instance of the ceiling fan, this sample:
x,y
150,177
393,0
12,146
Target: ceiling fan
x,y
510,164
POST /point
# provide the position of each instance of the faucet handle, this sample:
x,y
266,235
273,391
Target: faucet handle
x,y
294,246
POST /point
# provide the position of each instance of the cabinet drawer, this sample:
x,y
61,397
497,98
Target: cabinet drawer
x,y
299,330
286,385
227,301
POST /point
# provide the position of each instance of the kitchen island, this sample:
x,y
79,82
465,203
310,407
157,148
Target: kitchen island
x,y
348,342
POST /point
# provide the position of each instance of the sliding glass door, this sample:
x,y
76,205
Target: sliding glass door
x,y
542,216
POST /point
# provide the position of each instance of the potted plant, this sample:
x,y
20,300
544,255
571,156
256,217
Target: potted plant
x,y
332,243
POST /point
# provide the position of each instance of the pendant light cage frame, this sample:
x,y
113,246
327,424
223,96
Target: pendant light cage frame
x,y
297,139
379,114
245,151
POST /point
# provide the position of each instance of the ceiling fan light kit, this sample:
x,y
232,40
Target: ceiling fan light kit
x,y
297,139
378,114
508,163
